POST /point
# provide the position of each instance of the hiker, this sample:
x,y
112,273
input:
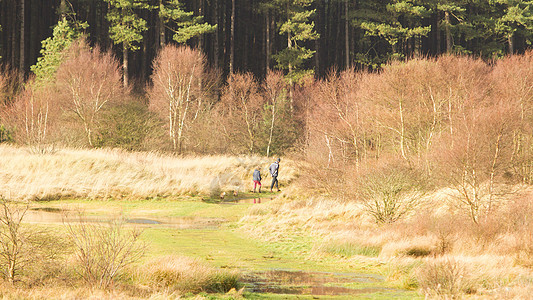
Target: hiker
x,y
274,168
257,179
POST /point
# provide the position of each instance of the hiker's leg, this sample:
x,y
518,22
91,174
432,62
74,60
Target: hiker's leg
x,y
259,182
274,180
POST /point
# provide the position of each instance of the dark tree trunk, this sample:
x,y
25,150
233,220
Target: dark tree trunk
x,y
449,42
347,34
201,13
232,39
22,59
437,34
268,47
216,46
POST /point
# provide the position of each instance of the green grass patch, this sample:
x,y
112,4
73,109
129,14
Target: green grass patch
x,y
351,249
418,252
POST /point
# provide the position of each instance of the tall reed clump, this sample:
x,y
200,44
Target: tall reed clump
x,y
186,275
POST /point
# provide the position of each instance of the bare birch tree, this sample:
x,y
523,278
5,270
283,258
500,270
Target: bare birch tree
x,y
242,106
275,90
34,115
88,81
176,89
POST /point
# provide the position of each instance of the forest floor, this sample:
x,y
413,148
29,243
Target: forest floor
x,y
212,231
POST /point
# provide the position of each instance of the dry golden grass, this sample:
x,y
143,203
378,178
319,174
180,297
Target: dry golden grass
x,y
106,173
61,291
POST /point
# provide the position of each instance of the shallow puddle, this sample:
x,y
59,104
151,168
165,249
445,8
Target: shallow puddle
x,y
311,283
44,215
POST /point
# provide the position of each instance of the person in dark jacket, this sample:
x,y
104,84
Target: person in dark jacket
x,y
257,179
274,170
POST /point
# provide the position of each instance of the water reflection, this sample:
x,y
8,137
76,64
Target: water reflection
x,y
311,283
255,200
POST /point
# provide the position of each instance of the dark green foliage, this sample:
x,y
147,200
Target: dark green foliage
x,y
6,134
127,126
183,23
268,33
54,48
126,26
298,28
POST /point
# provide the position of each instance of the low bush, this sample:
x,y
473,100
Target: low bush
x,y
389,193
415,246
445,277
129,126
403,273
6,134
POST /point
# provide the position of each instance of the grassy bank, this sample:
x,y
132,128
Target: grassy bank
x,y
105,173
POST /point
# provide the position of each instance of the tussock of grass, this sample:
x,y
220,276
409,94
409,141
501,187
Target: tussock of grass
x,y
418,246
104,173
186,275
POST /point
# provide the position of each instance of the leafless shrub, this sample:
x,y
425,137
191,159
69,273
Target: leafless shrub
x,y
275,92
444,277
341,118
445,229
34,115
14,252
27,254
474,159
518,224
512,84
389,193
103,250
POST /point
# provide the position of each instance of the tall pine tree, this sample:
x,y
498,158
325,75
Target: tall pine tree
x,y
515,17
182,23
298,28
126,27
54,47
399,22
